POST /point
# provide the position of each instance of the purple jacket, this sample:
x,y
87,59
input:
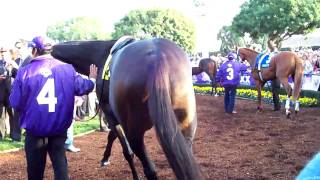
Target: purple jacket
x,y
43,93
229,73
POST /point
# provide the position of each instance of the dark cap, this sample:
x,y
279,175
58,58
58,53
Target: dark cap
x,y
231,55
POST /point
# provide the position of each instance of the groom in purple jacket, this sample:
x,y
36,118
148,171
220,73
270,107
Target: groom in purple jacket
x,y
43,93
229,77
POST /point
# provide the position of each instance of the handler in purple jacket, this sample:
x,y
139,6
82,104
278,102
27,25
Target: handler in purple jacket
x,y
229,77
43,93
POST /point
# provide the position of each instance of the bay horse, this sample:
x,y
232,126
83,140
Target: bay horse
x,y
5,87
208,66
281,67
150,84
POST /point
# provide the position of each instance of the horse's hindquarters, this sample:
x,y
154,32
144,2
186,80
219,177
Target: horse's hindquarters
x,y
151,83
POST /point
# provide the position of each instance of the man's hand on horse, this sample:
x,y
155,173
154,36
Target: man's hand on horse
x,y
93,71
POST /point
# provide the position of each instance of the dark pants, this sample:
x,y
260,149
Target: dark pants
x,y
229,98
36,149
15,130
275,84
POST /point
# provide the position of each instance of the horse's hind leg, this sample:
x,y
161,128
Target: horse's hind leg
x,y
214,86
127,152
288,89
117,130
139,149
111,137
296,91
259,88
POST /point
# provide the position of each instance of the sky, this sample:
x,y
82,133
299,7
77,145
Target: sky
x,y
29,18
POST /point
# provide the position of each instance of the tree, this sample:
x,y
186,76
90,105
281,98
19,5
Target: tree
x,y
229,39
277,20
163,23
79,28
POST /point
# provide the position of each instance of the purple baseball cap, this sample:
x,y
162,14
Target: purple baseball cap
x,y
41,43
231,55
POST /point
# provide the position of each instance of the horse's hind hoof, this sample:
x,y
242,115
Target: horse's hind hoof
x,y
277,109
105,163
296,112
288,115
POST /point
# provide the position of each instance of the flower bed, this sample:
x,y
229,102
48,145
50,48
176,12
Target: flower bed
x,y
266,95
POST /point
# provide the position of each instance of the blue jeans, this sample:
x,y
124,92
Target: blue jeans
x,y
229,98
69,140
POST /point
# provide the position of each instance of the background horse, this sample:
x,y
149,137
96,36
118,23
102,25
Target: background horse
x,y
5,87
209,66
281,67
150,84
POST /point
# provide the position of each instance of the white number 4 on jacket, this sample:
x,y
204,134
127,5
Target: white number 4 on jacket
x,y
47,96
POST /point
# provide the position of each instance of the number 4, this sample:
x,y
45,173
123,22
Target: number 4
x,y
47,96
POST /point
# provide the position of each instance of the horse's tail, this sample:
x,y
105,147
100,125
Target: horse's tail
x,y
297,78
169,134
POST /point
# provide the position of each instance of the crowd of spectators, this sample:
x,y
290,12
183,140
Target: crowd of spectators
x,y
311,60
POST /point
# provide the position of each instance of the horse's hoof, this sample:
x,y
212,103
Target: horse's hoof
x,y
277,109
105,163
296,112
288,115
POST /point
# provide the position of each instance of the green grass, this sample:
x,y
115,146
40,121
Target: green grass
x,y
6,144
85,126
79,128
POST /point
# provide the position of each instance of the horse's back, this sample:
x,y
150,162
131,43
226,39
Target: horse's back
x,y
287,62
135,62
209,66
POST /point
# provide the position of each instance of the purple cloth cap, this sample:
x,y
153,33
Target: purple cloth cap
x,y
40,43
231,55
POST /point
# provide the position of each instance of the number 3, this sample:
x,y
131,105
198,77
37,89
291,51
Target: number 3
x,y
47,96
230,73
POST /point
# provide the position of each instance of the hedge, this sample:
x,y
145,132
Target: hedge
x,y
307,98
